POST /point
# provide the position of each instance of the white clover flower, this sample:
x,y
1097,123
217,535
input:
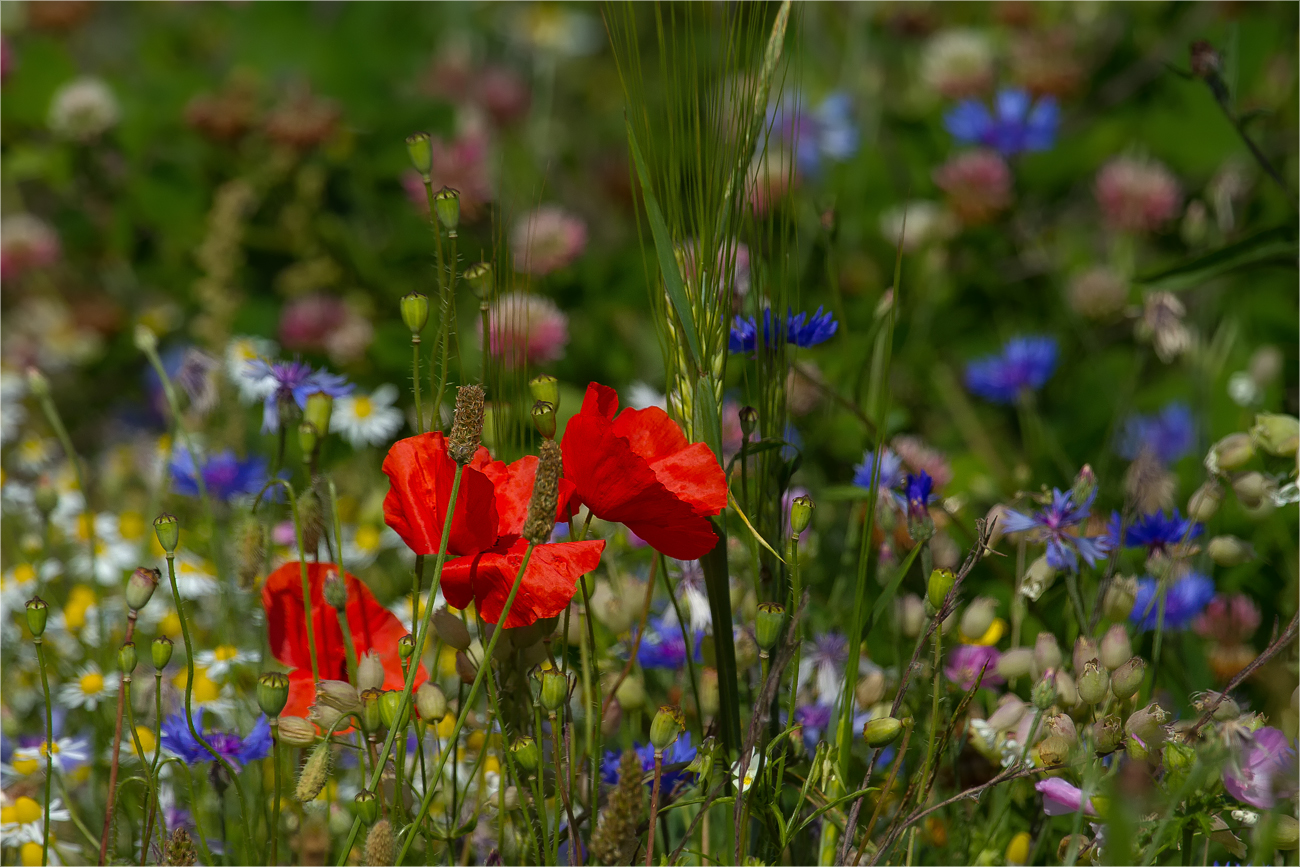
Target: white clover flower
x,y
83,109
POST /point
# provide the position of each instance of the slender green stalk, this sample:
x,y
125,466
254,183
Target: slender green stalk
x,y
157,754
201,837
275,788
306,582
469,700
49,747
934,705
144,763
415,382
596,716
417,579
796,594
564,795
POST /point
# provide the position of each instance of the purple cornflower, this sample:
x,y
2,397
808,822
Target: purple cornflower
x,y
663,645
1168,435
1266,771
1185,599
967,660
224,475
891,470
1016,123
237,750
799,330
827,131
1024,364
1053,525
1155,532
285,381
823,664
677,752
916,490
1061,798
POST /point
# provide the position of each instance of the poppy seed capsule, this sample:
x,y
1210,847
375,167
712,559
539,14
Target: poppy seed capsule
x,y
450,629
546,493
881,732
545,387
296,731
467,424
479,277
405,647
335,592
430,702
1125,680
126,659
420,150
544,419
1115,647
381,845
168,531
446,204
140,587
526,753
554,691
314,773
161,651
370,671
38,611
940,583
367,806
801,510
768,623
370,719
272,693
393,711
415,312
667,724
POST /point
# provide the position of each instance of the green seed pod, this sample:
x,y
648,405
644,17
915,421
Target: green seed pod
x,y
168,530
554,692
406,646
296,731
415,311
881,732
1107,734
367,806
38,611
748,421
544,419
140,587
126,658
430,702
1043,694
667,724
314,773
320,406
161,651
1093,683
145,339
1054,750
420,149
272,693
526,753
391,710
768,624
479,277
940,583
370,718
1233,452
1125,680
446,204
801,510
339,695
308,439
546,388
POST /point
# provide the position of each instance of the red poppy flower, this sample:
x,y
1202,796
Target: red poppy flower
x,y
637,468
490,511
373,627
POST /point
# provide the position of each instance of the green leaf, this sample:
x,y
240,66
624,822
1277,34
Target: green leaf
x,y
1272,245
664,250
887,595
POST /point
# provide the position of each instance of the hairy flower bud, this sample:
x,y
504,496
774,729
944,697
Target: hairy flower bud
x,y
546,491
168,530
272,693
768,623
320,406
314,773
430,702
1093,683
250,550
881,731
161,651
420,149
667,724
381,844
370,671
467,424
940,583
415,312
1016,662
140,587
335,592
38,611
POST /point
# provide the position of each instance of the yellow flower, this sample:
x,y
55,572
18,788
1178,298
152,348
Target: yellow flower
x,y
30,854
991,636
445,726
447,661
204,689
1018,848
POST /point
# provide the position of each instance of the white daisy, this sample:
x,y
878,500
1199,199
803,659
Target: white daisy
x,y
207,693
690,590
34,453
751,772
13,388
23,821
89,689
114,556
17,585
69,753
222,659
195,577
241,352
642,396
363,543
367,419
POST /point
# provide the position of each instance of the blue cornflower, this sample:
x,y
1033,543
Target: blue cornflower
x,y
891,470
238,751
285,381
1155,532
677,752
799,330
828,131
1185,598
224,475
663,645
1168,435
1024,364
917,492
1054,524
1016,123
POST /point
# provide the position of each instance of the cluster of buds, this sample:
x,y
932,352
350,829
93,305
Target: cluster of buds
x,y
1259,465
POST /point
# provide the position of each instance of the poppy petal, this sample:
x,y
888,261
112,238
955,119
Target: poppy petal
x,y
421,474
548,586
514,488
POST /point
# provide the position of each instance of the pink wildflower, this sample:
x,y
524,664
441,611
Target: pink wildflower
x,y
1060,798
919,457
547,239
1228,619
966,662
318,323
1267,770
978,184
26,242
1137,195
526,329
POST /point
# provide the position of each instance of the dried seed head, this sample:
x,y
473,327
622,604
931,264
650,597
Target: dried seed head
x,y
616,837
311,515
314,773
546,494
381,847
180,849
250,551
467,428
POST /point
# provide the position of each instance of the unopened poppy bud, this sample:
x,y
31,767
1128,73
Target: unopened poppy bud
x,y
768,623
1008,715
370,718
667,724
367,806
420,149
37,384
1016,662
430,702
479,277
1125,680
126,658
46,498
406,646
338,694
370,670
1120,597
546,388
1107,734
1085,485
1232,452
546,493
320,406
450,629
467,424
415,312
446,204
544,419
1038,577
465,669
526,752
1204,502
314,773
1043,694
1093,683
296,731
554,692
941,581
870,689
1047,653
1054,750
140,587
335,592
307,440
161,651
748,421
1115,647
1230,551
392,711
800,514
145,340
272,693
168,531
881,732
38,611
1276,434
978,617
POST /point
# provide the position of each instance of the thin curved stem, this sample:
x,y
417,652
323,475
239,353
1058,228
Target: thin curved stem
x,y
49,749
144,763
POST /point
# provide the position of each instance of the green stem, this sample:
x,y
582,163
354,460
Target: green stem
x,y
415,382
934,706
796,594
306,582
201,837
686,636
596,715
144,763
49,748
654,810
275,787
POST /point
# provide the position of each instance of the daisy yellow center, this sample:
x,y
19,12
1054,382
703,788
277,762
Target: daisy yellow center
x,y
28,809
91,682
8,815
362,407
491,765
170,625
45,748
82,595
31,854
24,572
225,653
204,689
83,526
367,538
445,726
24,766
476,740
146,739
447,662
131,525
74,617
